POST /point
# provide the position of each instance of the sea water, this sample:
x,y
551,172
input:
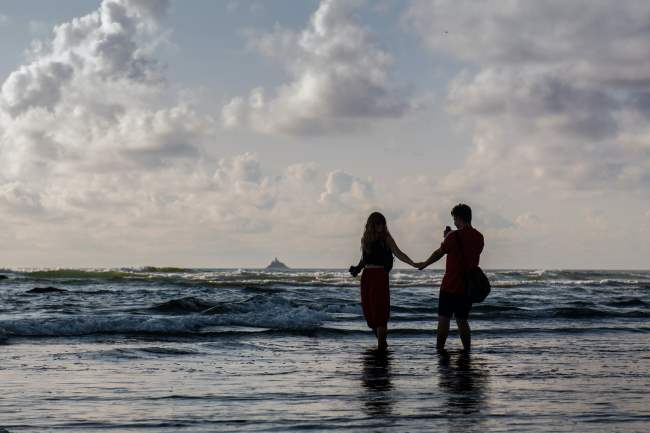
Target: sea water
x,y
217,350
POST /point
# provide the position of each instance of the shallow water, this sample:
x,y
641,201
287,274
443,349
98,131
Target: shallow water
x,y
130,350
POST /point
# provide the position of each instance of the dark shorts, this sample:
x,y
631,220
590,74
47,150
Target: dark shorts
x,y
454,305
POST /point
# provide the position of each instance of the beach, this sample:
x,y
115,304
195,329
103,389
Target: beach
x,y
129,350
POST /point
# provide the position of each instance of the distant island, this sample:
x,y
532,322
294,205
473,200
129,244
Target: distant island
x,y
277,264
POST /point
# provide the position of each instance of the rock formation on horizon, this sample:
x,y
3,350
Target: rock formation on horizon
x,y
277,264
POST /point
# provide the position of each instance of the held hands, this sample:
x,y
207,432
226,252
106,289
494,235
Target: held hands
x,y
420,265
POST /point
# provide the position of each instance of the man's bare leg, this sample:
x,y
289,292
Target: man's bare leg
x,y
465,333
443,332
381,337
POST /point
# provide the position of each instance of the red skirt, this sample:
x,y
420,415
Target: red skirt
x,y
375,297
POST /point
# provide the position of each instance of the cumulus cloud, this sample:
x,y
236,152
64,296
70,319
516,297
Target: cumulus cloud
x,y
339,78
91,135
342,187
555,91
98,151
94,96
103,45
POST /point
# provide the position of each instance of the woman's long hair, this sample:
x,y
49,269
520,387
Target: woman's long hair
x,y
371,235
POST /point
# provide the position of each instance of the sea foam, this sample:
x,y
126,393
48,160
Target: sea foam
x,y
272,312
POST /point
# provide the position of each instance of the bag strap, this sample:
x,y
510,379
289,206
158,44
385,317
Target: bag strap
x,y
460,247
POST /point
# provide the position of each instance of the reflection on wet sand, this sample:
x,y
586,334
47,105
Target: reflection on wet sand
x,y
376,380
463,380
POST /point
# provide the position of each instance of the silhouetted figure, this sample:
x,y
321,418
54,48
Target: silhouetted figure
x,y
378,247
465,244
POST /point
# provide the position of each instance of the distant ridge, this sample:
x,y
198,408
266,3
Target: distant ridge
x,y
277,264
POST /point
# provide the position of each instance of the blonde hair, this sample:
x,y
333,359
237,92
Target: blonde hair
x,y
370,234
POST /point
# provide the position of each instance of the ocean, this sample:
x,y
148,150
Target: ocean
x,y
225,350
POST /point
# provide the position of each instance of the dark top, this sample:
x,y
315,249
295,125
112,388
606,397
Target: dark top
x,y
380,254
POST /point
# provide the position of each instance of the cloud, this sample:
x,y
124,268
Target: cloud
x,y
4,20
91,134
16,198
35,85
302,173
342,188
340,78
95,98
98,151
553,91
103,47
527,220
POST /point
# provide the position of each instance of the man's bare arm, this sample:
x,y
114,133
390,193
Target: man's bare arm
x,y
434,257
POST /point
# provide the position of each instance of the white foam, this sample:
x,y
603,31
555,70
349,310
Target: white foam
x,y
274,313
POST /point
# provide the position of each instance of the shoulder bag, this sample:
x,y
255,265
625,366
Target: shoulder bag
x,y
477,285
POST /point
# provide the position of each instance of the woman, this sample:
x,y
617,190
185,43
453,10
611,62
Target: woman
x,y
377,247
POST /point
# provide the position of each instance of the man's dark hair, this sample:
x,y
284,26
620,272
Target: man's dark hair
x,y
463,212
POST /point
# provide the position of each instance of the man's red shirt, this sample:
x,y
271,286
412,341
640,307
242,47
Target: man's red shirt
x,y
472,241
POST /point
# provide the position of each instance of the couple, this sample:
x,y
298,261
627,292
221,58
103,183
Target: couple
x,y
463,248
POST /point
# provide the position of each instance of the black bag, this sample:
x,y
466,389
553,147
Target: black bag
x,y
477,285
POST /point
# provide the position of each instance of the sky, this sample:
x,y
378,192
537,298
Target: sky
x,y
223,134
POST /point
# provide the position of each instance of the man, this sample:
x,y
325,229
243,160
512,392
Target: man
x,y
463,248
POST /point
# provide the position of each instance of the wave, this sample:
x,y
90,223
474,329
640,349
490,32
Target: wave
x,y
274,313
627,303
261,280
420,332
255,304
137,353
77,274
164,269
583,312
556,313
183,305
180,329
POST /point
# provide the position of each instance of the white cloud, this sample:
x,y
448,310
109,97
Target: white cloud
x,y
95,97
91,135
4,20
97,149
342,187
340,78
527,220
555,91
15,198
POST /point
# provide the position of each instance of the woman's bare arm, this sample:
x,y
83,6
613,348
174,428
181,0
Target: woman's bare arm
x,y
398,253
